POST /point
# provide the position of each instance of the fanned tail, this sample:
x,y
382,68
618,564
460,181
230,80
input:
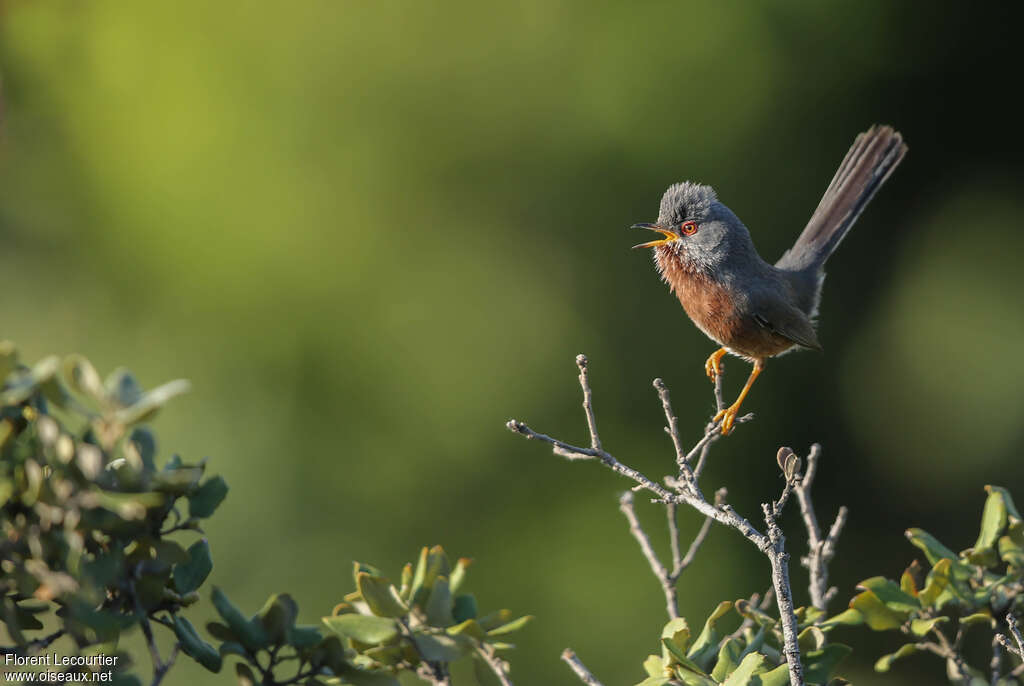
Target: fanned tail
x,y
872,158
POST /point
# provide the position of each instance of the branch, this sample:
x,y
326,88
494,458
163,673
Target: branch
x,y
33,645
160,667
497,665
569,657
820,550
686,491
996,665
1017,650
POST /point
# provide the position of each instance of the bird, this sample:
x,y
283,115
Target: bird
x,y
752,309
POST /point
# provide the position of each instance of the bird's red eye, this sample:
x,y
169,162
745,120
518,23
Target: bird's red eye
x,y
688,228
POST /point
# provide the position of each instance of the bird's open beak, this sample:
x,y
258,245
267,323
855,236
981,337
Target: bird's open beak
x,y
669,236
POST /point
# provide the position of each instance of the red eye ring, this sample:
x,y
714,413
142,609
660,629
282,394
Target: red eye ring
x,y
688,228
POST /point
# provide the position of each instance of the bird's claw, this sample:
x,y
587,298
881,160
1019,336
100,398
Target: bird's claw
x,y
728,418
713,367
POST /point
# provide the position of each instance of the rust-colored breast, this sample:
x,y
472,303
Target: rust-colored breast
x,y
714,311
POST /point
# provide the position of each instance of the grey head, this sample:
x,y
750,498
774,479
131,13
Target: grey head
x,y
699,231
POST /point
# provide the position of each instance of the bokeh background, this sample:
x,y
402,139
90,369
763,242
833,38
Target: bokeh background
x,y
370,233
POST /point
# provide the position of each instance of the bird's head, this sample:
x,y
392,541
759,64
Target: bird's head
x,y
697,230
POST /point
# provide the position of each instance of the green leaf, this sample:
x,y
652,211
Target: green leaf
x,y
938,580
459,573
250,634
441,647
690,677
464,607
195,647
439,604
1011,552
759,617
993,520
470,628
877,614
83,378
122,387
891,594
220,632
848,617
654,665
729,656
705,647
233,648
819,664
983,617
381,597
190,575
811,638
277,616
305,636
420,576
675,638
885,662
204,501
514,625
933,549
493,620
775,677
750,665
922,627
907,582
150,403
363,628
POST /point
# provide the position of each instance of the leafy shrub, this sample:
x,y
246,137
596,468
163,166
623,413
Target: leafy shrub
x,y
97,539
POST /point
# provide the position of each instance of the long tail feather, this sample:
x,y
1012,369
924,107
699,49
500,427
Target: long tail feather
x,y
872,158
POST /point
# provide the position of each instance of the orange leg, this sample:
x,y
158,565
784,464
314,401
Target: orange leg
x,y
713,366
728,415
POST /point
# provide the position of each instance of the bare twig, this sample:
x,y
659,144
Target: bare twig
x,y
497,665
702,534
779,559
686,491
821,550
668,585
996,665
569,657
1011,621
588,406
1018,649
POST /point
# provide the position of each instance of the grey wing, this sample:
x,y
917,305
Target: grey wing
x,y
788,322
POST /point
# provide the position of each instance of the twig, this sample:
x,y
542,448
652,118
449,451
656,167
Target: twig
x,y
668,586
1011,621
497,665
996,665
588,405
702,534
1017,650
569,657
160,667
687,491
33,645
820,550
724,515
434,672
779,559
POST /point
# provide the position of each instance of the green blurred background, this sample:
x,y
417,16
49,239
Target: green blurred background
x,y
372,232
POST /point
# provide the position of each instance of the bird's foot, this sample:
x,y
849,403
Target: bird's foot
x,y
728,417
713,367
